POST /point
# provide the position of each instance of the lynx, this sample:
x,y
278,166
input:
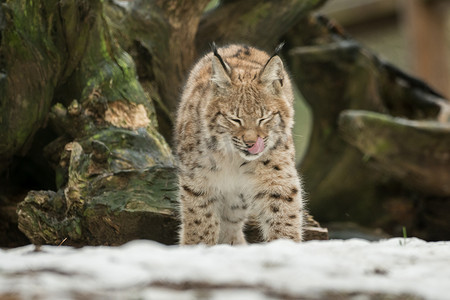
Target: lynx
x,y
235,149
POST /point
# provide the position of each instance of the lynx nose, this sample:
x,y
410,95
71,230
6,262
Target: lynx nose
x,y
249,144
249,138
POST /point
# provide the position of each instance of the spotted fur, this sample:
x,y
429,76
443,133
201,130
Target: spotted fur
x,y
235,149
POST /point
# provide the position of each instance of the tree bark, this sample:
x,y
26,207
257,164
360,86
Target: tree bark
x,y
421,161
408,144
114,171
259,23
101,105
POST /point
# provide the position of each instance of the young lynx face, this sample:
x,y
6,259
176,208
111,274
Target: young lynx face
x,y
235,149
249,108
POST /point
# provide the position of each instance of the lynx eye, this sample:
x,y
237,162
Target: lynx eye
x,y
235,120
265,119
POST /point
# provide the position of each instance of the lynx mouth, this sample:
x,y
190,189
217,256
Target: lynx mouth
x,y
257,147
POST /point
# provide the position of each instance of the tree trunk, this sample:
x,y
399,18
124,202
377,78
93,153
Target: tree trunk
x,y
66,69
114,171
99,104
403,151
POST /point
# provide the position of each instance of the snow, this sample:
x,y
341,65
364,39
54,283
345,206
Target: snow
x,y
147,270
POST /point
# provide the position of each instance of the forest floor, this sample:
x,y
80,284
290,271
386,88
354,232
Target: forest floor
x,y
336,269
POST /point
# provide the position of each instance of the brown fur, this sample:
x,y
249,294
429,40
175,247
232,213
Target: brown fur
x,y
223,111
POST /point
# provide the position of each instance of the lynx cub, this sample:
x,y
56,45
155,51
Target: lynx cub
x,y
235,149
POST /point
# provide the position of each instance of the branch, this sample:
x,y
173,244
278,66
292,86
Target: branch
x,y
259,23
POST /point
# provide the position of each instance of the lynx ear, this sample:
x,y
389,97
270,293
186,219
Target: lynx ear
x,y
220,74
220,70
272,72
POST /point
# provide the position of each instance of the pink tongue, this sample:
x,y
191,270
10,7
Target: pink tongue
x,y
258,147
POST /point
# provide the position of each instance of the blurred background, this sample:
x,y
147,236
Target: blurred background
x,y
414,36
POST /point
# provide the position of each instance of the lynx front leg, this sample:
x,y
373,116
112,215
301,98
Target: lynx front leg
x,y
280,214
233,214
200,222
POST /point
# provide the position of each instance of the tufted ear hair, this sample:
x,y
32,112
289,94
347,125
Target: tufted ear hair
x,y
220,69
272,72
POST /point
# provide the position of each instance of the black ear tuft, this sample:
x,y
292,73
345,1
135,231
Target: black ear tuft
x,y
216,54
272,72
275,53
278,49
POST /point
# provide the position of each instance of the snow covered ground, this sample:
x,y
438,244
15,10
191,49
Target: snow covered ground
x,y
336,269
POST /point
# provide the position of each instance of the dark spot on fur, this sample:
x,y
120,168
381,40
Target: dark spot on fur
x,y
212,143
237,54
196,166
275,195
292,216
207,203
191,210
276,168
197,222
275,209
208,215
246,50
192,192
260,195
288,224
289,199
278,223
294,191
266,162
243,164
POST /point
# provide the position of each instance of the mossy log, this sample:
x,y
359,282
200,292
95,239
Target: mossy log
x,y
115,173
417,153
104,120
335,74
103,204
